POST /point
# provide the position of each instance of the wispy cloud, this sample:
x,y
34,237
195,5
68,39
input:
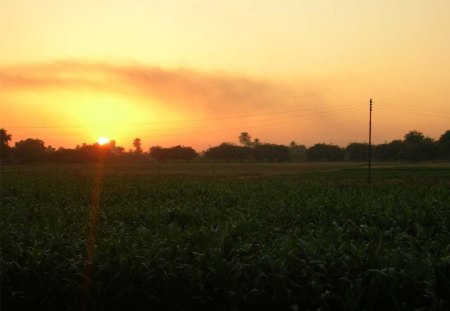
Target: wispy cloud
x,y
184,89
214,106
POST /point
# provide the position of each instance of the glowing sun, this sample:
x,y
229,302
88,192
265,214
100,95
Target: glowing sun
x,y
103,141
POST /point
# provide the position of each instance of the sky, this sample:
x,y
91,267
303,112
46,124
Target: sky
x,y
200,72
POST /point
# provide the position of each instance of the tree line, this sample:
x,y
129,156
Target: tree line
x,y
414,147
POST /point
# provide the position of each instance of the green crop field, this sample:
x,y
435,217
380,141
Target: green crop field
x,y
225,236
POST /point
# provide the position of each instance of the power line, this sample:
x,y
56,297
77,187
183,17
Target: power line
x,y
176,121
412,107
416,112
248,126
256,123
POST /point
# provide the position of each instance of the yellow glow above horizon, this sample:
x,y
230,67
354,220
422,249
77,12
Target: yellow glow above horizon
x,y
119,68
70,115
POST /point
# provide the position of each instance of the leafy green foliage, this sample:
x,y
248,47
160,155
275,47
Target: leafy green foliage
x,y
325,241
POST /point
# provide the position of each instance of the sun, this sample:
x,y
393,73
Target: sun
x,y
103,141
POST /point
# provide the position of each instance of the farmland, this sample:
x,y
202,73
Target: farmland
x,y
225,236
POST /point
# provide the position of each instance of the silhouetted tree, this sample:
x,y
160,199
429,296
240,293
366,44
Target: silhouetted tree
x,y
173,153
392,151
137,144
29,150
297,152
120,149
414,147
85,153
271,152
417,147
245,139
228,152
444,145
64,155
357,151
5,138
90,153
157,153
5,149
325,152
183,153
414,137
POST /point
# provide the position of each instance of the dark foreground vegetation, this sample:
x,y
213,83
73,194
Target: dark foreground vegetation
x,y
307,240
414,147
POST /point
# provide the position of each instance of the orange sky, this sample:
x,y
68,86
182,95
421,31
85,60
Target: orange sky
x,y
199,72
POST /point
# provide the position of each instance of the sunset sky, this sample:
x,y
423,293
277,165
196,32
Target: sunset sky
x,y
199,72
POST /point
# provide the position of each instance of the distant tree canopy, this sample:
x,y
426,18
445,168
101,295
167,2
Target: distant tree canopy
x,y
259,152
297,152
414,146
417,147
228,152
83,154
413,137
271,152
388,151
29,150
444,145
245,139
137,144
357,151
5,149
5,138
173,153
325,152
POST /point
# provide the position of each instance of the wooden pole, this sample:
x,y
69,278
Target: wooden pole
x,y
370,140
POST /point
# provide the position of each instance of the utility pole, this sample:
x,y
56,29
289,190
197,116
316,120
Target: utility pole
x,y
370,141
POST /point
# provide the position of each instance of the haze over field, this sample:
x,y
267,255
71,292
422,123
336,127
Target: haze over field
x,y
200,72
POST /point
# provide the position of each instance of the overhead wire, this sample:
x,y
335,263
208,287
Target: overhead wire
x,y
253,123
177,121
275,118
247,126
172,121
403,106
415,112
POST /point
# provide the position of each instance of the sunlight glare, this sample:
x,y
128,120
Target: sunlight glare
x,y
103,141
